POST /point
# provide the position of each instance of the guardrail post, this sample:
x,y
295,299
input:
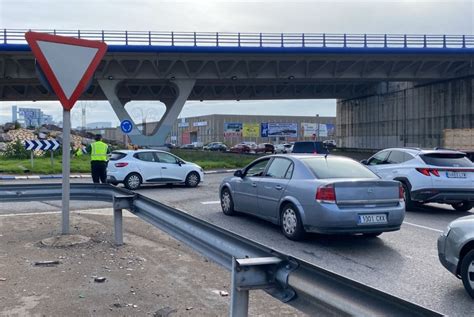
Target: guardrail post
x,y
303,40
120,202
324,39
126,37
404,40
239,305
385,40
444,41
281,38
118,227
103,36
4,36
78,34
172,38
217,38
238,39
260,39
424,41
345,40
195,42
149,38
365,40
464,41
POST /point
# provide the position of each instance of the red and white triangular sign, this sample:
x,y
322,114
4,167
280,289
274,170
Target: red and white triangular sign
x,y
68,63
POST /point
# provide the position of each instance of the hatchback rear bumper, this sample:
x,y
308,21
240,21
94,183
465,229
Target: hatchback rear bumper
x,y
443,195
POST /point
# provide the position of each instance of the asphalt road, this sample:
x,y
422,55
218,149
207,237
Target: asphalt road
x,y
403,263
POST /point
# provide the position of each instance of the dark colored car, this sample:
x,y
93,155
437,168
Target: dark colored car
x,y
312,147
218,147
265,148
240,148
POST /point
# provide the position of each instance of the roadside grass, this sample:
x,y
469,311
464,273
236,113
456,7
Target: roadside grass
x,y
214,160
42,165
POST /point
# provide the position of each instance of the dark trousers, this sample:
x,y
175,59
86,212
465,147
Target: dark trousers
x,y
99,171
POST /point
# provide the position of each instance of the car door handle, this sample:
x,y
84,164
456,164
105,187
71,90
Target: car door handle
x,y
278,187
163,168
254,184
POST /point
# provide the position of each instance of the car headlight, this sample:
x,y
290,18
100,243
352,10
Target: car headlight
x,y
446,231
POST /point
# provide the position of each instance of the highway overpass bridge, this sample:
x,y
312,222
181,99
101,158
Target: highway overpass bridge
x,y
174,67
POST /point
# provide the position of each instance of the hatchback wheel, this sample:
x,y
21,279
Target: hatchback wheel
x,y
193,179
227,203
132,181
462,206
291,224
467,272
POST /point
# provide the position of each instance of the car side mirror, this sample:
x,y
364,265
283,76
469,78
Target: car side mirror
x,y
180,162
238,173
365,162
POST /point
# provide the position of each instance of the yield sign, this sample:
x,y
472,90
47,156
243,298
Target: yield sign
x,y
68,63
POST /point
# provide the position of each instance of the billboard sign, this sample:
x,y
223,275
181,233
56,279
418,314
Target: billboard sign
x,y
183,124
331,128
309,129
251,130
323,131
232,129
200,124
264,129
282,129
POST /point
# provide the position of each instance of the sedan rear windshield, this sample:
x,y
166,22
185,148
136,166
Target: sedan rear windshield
x,y
115,156
332,167
447,159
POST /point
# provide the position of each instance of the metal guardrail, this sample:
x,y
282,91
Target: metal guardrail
x,y
254,266
228,39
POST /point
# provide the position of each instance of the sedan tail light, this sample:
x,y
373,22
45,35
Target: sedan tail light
x,y
326,194
123,164
428,171
401,192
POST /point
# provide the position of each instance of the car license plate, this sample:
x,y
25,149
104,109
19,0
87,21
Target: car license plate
x,y
372,219
456,174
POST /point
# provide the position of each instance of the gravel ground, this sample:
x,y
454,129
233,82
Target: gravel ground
x,y
151,275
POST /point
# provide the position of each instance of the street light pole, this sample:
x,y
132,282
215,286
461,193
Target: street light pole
x,y
317,125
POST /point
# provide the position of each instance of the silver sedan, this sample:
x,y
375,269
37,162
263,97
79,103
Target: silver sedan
x,y
456,250
314,193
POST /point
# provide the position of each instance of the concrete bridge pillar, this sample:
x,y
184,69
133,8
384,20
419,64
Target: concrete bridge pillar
x,y
173,109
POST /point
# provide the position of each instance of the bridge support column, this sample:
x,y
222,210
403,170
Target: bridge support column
x,y
173,109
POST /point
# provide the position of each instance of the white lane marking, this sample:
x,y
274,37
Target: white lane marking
x,y
214,202
424,227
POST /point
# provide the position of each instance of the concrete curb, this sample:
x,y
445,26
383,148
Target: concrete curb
x,y
59,176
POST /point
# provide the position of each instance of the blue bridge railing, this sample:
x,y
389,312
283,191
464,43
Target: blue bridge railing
x,y
226,39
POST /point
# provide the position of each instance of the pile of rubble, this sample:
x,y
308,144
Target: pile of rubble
x,y
10,133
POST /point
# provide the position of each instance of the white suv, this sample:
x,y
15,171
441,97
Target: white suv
x,y
132,168
441,176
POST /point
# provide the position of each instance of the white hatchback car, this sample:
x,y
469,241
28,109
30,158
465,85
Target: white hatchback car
x,y
133,168
441,176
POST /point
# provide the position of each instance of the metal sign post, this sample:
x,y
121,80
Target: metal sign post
x,y
66,170
68,65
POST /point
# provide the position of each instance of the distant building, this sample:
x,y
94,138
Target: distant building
x,y
30,117
99,125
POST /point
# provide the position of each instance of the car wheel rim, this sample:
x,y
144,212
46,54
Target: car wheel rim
x,y
289,221
225,201
193,180
470,274
134,181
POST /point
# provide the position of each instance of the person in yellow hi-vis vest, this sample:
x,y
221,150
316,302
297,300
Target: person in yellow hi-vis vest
x,y
98,151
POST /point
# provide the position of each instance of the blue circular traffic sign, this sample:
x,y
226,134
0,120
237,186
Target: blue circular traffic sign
x,y
126,126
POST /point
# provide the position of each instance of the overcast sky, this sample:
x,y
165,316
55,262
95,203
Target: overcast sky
x,y
349,16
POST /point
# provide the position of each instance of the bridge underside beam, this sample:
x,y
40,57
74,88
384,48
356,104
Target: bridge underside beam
x,y
174,104
202,90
